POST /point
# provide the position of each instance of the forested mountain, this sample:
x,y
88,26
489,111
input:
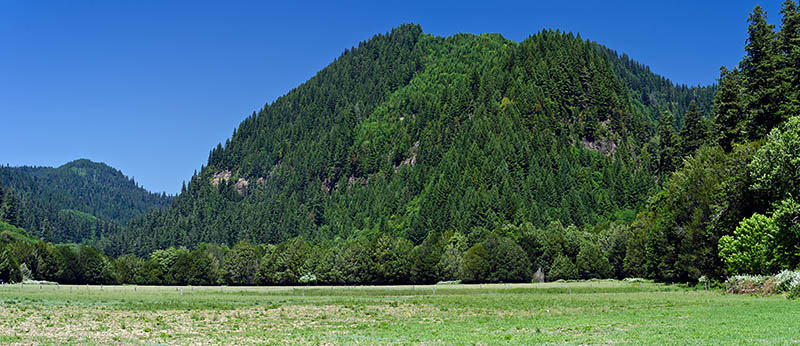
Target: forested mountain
x,y
80,201
410,135
414,159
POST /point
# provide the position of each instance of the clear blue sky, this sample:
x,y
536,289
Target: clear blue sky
x,y
149,87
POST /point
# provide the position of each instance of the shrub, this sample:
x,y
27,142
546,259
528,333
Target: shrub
x,y
749,250
794,293
747,284
786,281
307,278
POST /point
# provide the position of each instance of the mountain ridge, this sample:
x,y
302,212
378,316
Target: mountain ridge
x,y
79,201
407,96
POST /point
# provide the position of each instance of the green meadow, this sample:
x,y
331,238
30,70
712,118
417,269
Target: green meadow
x,y
590,312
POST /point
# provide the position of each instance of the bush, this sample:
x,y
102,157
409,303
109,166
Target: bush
x,y
750,284
307,278
794,293
749,250
787,282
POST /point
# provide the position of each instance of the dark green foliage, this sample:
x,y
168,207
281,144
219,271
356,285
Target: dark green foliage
x,y
94,267
79,202
9,268
592,263
507,261
285,264
49,261
476,264
695,130
241,264
786,216
195,268
763,91
789,61
10,210
450,263
129,269
424,259
679,247
562,269
729,114
759,67
667,152
389,259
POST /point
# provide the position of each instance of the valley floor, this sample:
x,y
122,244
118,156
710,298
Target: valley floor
x,y
598,312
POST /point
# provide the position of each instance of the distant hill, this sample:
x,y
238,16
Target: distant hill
x,y
412,134
79,201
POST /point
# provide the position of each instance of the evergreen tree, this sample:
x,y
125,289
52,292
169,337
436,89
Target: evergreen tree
x,y
788,64
729,114
669,155
694,132
759,66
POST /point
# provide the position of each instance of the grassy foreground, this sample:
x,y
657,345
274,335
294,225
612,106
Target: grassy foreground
x,y
604,312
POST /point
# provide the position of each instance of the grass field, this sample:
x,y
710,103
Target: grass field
x,y
602,312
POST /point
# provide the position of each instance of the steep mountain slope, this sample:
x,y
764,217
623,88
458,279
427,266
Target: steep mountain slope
x,y
412,135
79,201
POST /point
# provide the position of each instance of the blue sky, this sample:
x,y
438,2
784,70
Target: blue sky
x,y
149,87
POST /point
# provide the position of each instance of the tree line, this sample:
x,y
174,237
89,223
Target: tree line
x,y
509,254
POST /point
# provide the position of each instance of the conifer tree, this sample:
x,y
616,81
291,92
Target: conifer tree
x,y
788,63
668,157
729,117
759,66
694,131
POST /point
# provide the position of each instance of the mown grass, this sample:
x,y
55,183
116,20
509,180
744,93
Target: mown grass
x,y
602,312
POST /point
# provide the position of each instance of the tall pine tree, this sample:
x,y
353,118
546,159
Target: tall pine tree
x,y
759,66
789,61
694,131
729,118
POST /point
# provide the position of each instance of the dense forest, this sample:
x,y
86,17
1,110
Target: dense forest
x,y
413,135
416,158
78,202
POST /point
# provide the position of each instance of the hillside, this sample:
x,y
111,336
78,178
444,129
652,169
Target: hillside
x,y
411,134
79,201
